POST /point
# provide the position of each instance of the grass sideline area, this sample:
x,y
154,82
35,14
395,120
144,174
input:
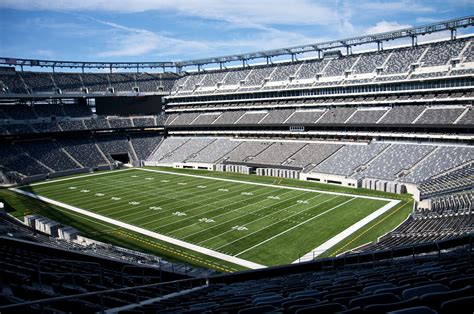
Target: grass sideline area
x,y
229,217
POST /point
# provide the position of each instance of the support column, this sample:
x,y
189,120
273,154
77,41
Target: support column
x,y
379,46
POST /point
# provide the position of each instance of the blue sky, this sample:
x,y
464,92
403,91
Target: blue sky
x,y
171,30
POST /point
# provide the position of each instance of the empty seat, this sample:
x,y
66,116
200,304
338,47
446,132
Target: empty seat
x,y
459,306
258,309
396,290
371,289
204,306
383,308
414,310
374,299
462,282
419,291
349,293
305,294
305,301
322,309
435,299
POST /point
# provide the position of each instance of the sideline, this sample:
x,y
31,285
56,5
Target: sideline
x,y
347,232
268,185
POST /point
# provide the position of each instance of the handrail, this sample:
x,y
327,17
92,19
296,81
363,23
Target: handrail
x,y
142,276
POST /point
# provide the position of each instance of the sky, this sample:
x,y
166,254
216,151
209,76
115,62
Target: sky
x,y
174,30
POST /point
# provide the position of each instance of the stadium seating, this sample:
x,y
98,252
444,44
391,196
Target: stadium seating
x,y
36,271
386,65
456,180
84,151
360,288
144,144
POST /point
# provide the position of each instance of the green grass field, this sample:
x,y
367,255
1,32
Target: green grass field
x,y
267,225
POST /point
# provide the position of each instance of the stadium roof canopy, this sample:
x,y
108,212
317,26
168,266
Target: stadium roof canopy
x,y
179,66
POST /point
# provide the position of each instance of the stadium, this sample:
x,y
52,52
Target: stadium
x,y
259,182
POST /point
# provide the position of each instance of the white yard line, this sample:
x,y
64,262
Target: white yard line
x,y
269,185
152,234
347,232
296,226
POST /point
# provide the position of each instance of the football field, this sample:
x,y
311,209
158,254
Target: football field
x,y
242,222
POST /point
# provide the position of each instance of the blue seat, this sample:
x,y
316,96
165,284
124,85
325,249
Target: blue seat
x,y
271,298
419,291
371,289
305,301
383,308
204,306
396,290
374,299
435,299
322,309
462,282
415,310
459,306
258,309
305,293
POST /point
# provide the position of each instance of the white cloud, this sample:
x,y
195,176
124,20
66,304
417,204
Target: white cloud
x,y
384,26
263,12
129,42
